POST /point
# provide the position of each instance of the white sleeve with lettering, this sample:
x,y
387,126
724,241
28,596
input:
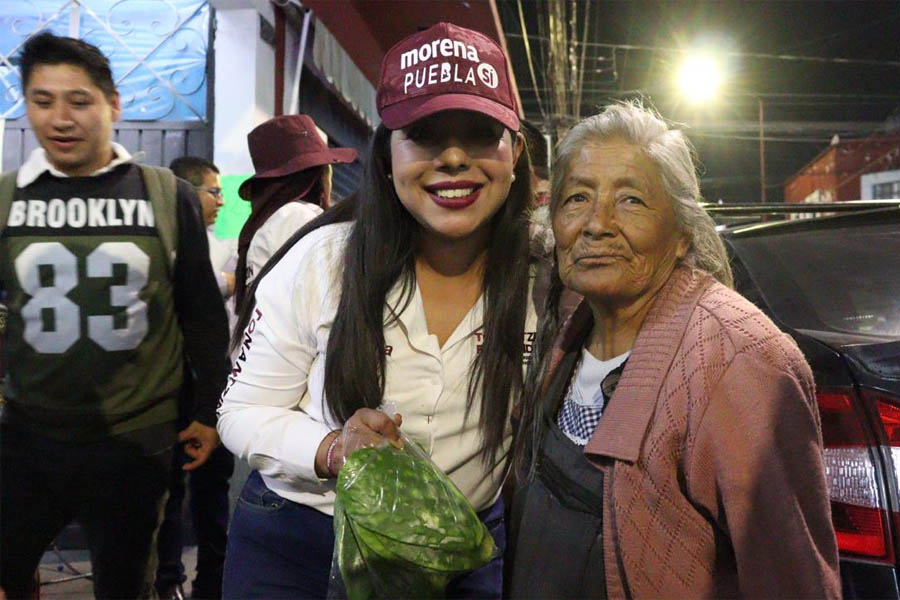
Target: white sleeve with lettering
x,y
269,414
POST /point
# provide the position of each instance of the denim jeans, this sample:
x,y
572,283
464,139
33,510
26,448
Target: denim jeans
x,y
486,582
281,549
114,488
209,517
276,548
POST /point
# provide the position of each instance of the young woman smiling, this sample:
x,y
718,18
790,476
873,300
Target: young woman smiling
x,y
420,302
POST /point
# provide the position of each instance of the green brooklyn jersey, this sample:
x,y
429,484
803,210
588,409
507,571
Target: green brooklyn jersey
x,y
94,344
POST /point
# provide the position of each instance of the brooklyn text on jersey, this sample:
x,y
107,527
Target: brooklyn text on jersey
x,y
79,213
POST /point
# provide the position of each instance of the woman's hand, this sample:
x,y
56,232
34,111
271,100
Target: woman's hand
x,y
367,428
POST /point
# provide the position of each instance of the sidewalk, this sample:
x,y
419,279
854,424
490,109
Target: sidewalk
x,y
59,581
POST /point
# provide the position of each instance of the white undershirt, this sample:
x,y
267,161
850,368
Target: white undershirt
x,y
37,163
583,406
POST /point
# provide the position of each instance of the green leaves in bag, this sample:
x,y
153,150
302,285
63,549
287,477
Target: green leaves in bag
x,y
402,527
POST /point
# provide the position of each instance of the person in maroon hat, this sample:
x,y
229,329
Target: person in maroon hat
x,y
412,309
291,186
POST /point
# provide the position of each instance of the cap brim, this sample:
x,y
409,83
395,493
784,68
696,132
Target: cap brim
x,y
300,163
401,114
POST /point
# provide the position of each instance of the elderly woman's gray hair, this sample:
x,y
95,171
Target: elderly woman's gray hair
x,y
673,155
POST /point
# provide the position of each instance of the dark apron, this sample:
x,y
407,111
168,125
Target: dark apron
x,y
557,525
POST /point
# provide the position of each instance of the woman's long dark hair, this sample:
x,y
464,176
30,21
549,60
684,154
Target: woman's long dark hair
x,y
381,251
530,428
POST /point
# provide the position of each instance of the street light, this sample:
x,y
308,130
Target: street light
x,y
699,78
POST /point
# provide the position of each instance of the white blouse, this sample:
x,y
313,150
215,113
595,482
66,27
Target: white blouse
x,y
272,412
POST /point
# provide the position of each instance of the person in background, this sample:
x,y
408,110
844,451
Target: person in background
x,y
670,443
204,176
208,483
105,272
539,230
421,302
536,144
291,186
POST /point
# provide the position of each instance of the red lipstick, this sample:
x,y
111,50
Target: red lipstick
x,y
456,194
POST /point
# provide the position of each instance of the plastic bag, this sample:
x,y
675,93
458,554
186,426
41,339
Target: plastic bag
x,y
402,528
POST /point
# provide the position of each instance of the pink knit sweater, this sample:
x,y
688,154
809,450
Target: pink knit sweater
x,y
712,453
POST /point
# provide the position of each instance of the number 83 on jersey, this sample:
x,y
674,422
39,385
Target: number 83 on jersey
x,y
48,272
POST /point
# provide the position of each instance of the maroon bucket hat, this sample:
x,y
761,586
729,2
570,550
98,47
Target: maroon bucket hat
x,y
289,144
442,68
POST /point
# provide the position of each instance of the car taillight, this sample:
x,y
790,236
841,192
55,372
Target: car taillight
x,y
858,499
888,408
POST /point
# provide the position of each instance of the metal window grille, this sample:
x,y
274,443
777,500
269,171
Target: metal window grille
x,y
157,49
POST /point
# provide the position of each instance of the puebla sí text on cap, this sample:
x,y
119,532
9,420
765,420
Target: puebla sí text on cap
x,y
445,67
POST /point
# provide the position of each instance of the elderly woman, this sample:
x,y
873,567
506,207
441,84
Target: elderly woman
x,y
670,439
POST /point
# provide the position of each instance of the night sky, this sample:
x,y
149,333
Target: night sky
x,y
806,99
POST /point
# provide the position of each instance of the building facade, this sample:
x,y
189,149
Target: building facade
x,y
858,169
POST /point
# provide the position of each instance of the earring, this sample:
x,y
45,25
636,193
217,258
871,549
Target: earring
x,y
513,177
390,176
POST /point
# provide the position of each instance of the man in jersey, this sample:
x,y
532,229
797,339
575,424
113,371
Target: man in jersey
x,y
209,483
109,289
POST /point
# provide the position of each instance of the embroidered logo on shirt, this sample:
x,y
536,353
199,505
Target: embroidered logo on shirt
x,y
527,344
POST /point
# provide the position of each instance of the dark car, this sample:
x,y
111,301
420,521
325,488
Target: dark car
x,y
833,283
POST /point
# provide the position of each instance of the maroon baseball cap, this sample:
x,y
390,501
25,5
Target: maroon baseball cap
x,y
289,144
445,67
